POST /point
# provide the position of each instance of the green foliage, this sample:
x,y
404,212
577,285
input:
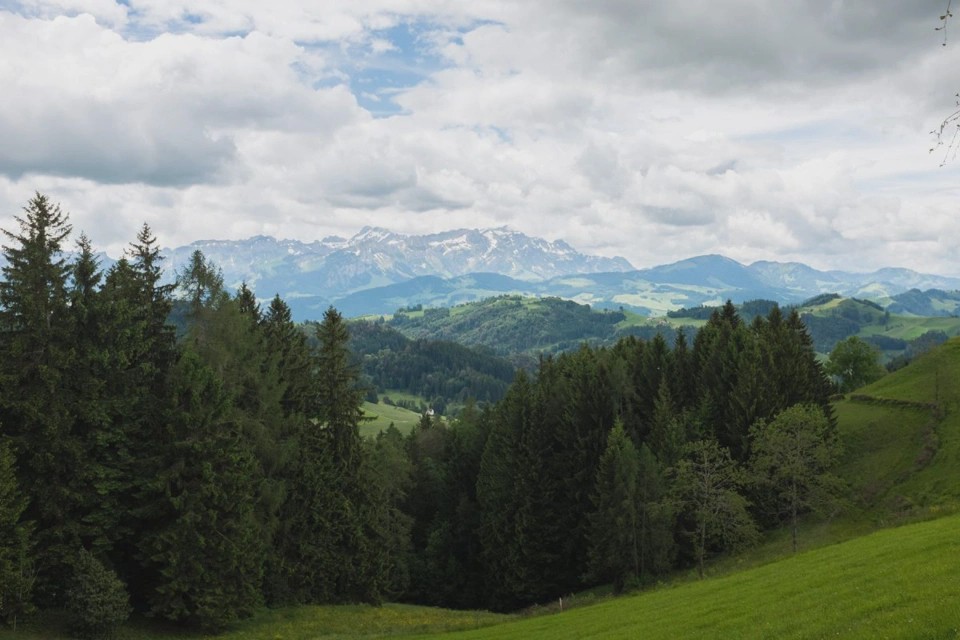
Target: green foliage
x,y
706,490
855,363
614,554
16,579
201,282
792,456
97,599
429,368
205,548
510,324
35,358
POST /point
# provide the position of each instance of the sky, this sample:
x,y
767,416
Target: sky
x,y
790,130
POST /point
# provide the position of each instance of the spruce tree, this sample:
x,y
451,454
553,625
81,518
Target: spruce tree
x,y
329,536
614,554
667,437
206,552
289,345
497,498
655,518
103,440
35,356
16,566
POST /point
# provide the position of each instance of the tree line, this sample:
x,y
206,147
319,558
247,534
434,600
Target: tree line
x,y
192,478
199,476
617,465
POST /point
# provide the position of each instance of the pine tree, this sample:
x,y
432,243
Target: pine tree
x,y
105,449
16,571
654,517
331,520
206,553
614,541
498,501
667,438
338,400
289,345
35,355
248,303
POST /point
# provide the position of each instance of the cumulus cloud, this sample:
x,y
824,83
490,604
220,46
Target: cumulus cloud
x,y
796,130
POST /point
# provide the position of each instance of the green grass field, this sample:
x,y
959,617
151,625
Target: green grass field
x,y
294,623
383,415
897,583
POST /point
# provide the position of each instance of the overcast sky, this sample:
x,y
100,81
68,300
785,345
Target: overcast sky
x,y
788,130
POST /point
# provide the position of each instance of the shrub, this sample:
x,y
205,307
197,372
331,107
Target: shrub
x,y
97,601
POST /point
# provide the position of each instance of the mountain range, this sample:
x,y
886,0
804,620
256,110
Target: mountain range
x,y
378,271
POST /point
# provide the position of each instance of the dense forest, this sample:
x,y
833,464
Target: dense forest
x,y
427,368
198,475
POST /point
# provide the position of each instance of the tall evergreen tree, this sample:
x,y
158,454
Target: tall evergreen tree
x,y
16,570
289,345
331,532
614,541
206,556
499,502
35,354
654,517
667,434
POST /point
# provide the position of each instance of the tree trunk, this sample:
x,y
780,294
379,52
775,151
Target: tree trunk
x,y
794,514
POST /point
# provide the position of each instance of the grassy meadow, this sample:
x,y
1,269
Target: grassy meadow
x,y
896,583
293,623
383,414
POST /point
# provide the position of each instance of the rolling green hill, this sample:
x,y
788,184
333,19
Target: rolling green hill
x,y
902,460
904,455
898,583
514,324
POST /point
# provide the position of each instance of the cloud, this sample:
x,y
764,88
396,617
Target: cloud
x,y
793,130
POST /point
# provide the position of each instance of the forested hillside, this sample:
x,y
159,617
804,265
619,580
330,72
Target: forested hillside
x,y
194,479
228,471
196,473
431,369
512,324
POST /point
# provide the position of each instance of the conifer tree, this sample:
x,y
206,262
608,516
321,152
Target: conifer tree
x,y
206,553
499,502
667,437
248,303
614,541
330,531
289,345
16,570
654,517
35,355
105,455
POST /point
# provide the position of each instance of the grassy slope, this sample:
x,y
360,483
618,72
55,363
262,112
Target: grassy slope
x,y
904,327
894,583
295,623
933,377
383,415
